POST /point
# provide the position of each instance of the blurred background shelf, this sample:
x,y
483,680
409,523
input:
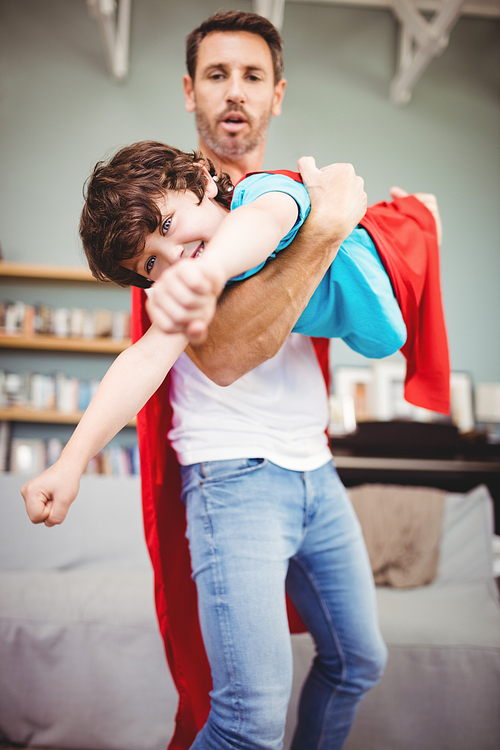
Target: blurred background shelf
x,y
49,416
41,271
53,343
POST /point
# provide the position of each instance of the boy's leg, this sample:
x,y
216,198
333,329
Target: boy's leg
x,y
331,585
245,521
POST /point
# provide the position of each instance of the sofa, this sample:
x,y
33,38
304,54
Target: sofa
x,y
82,664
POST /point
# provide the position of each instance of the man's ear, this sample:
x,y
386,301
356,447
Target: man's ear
x,y
188,86
279,93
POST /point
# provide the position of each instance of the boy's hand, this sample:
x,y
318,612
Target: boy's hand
x,y
49,495
338,198
429,200
183,299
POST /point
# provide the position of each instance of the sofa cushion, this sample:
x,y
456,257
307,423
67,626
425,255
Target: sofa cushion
x,y
82,662
103,528
466,544
402,527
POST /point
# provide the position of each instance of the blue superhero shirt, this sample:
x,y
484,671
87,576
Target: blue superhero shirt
x,y
354,301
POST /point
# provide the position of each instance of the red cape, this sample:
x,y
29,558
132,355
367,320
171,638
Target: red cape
x,y
404,233
418,293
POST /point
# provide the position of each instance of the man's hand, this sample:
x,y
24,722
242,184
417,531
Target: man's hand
x,y
49,496
183,299
255,317
429,200
338,198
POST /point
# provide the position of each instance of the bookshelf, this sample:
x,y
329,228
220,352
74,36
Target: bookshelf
x,y
49,416
49,272
53,343
36,277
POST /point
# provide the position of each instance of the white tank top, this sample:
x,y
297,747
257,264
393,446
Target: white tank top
x,y
278,411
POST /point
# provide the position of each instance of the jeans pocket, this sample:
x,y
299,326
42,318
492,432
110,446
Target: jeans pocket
x,y
222,471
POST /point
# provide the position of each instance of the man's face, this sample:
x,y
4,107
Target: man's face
x,y
233,92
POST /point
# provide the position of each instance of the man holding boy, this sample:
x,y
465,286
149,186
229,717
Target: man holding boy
x,y
264,505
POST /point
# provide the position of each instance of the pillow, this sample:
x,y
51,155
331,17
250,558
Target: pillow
x,y
402,529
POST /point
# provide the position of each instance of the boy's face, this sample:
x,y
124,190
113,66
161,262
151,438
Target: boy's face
x,y
185,227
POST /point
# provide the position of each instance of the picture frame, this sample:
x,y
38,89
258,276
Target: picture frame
x,y
342,415
462,408
487,402
355,383
389,402
388,392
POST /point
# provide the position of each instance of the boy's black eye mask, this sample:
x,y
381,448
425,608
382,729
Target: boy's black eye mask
x,y
140,281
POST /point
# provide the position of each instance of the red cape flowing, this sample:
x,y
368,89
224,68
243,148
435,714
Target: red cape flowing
x,y
404,233
418,293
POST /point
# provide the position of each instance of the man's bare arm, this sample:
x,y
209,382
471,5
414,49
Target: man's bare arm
x,y
254,317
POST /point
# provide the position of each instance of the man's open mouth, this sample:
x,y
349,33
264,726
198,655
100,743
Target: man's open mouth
x,y
233,122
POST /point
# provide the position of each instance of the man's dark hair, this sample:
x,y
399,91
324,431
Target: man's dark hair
x,y
120,202
236,20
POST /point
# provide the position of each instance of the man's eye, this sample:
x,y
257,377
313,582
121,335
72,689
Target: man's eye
x,y
166,225
216,76
253,78
150,263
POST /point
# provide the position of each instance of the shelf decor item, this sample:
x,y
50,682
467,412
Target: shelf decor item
x,y
488,408
355,383
43,328
342,415
27,456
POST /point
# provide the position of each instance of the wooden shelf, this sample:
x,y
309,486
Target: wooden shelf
x,y
53,343
52,273
22,414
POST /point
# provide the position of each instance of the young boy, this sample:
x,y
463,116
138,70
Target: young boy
x,y
153,209
152,206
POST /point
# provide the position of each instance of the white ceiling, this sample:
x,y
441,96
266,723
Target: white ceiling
x,y
421,38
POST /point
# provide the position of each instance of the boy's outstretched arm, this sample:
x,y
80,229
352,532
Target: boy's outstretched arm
x,y
130,381
254,317
245,239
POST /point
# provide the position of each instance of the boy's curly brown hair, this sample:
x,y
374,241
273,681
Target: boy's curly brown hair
x,y
120,202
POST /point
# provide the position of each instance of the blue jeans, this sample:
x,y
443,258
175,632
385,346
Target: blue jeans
x,y
255,529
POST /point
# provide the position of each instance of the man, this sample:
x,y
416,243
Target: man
x,y
265,508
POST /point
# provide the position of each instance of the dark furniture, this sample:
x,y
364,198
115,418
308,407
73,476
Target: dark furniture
x,y
418,454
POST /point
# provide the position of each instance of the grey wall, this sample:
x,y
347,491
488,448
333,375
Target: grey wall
x,y
60,112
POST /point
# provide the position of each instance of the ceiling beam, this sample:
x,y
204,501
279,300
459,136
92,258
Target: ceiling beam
x,y
114,24
486,8
273,10
420,40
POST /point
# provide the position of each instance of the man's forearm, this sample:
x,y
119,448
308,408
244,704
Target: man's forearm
x,y
254,317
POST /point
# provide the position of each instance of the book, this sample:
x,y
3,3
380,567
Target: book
x,y
19,318
4,445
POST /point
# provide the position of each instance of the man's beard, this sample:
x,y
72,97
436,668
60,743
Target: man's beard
x,y
232,146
